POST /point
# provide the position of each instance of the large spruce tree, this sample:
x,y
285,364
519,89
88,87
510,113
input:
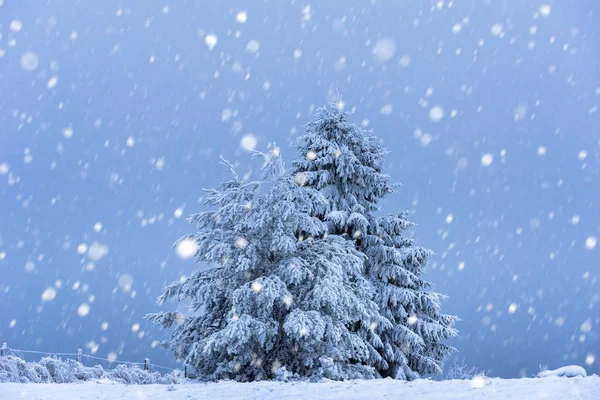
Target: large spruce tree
x,y
344,163
282,296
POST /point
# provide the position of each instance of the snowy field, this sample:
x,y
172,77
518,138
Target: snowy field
x,y
489,389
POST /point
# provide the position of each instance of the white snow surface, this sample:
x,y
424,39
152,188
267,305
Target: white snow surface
x,y
569,371
549,388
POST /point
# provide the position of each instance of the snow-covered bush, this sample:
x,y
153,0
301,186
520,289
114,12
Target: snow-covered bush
x,y
14,369
283,375
61,371
462,371
135,375
55,370
83,373
125,374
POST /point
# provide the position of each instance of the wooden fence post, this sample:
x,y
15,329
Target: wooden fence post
x,y
79,356
185,370
146,364
3,349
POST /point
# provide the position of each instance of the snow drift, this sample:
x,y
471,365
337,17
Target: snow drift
x,y
550,388
570,371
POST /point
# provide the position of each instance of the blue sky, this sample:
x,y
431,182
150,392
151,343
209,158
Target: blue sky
x,y
113,116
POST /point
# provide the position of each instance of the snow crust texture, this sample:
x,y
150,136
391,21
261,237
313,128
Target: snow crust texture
x,y
551,388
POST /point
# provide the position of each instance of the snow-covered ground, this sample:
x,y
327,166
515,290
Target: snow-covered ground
x,y
548,388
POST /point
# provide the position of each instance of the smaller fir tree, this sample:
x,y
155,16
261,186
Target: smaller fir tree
x,y
345,163
414,345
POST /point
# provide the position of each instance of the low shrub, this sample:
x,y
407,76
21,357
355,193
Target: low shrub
x,y
56,370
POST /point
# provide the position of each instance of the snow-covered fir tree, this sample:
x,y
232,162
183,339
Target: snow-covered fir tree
x,y
344,163
281,296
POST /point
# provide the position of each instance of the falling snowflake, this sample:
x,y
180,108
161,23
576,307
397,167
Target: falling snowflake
x,y
487,159
125,282
384,49
496,30
178,212
16,25
436,113
211,41
83,310
241,17
49,294
253,46
386,109
248,142
52,82
97,250
186,248
29,61
545,10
